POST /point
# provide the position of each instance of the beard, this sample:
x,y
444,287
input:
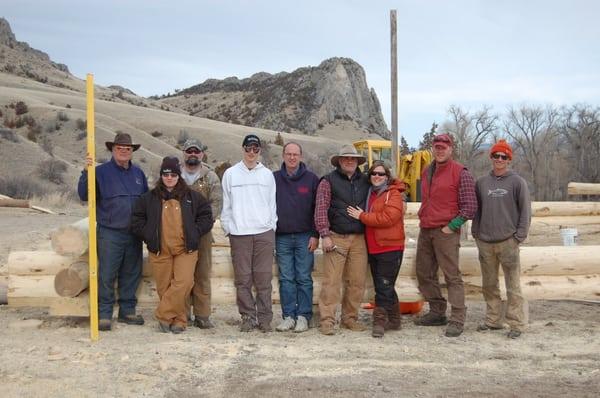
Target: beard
x,y
192,161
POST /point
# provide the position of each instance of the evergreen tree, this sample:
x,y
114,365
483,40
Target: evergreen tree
x,y
427,140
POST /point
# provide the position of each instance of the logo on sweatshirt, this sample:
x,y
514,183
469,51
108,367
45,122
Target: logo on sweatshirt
x,y
303,190
497,193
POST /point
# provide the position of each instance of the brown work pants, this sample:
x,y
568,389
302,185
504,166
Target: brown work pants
x,y
436,249
491,255
252,258
174,276
346,265
201,291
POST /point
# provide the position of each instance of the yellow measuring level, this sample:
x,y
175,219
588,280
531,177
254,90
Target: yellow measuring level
x,y
93,258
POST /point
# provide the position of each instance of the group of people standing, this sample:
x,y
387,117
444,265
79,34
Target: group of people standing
x,y
358,216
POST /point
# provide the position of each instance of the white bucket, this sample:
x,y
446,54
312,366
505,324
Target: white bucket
x,y
568,236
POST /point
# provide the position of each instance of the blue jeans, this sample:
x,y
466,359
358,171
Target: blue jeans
x,y
295,280
120,259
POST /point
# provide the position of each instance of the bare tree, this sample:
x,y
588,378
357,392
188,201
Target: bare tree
x,y
580,127
533,132
470,131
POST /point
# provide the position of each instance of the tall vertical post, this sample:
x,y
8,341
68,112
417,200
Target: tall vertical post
x,y
91,171
394,83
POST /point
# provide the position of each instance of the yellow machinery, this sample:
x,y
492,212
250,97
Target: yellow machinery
x,y
410,167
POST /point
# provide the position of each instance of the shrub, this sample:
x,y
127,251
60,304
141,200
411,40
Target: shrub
x,y
9,135
62,116
52,170
21,108
156,134
10,122
80,124
1,114
220,169
183,137
68,106
50,128
47,146
278,140
33,133
21,187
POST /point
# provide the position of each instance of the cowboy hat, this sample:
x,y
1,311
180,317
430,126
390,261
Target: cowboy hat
x,y
122,139
350,152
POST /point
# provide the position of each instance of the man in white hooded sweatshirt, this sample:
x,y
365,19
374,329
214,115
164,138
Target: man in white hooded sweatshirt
x,y
249,218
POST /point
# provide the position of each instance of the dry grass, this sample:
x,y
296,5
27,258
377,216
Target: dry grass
x,y
57,200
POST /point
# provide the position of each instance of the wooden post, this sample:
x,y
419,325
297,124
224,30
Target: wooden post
x,y
394,83
91,171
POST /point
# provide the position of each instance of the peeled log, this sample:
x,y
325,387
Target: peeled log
x,y
71,240
22,203
539,209
36,263
71,281
582,188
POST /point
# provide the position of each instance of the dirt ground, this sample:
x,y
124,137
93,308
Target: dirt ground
x,y
41,356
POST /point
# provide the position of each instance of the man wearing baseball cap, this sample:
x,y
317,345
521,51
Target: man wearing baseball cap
x,y
447,201
201,178
249,218
500,225
119,183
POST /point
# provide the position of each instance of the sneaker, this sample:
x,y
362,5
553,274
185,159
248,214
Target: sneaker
x,y
327,329
265,327
176,329
203,323
431,319
104,324
454,329
164,327
301,324
288,323
248,324
131,319
482,327
354,326
513,334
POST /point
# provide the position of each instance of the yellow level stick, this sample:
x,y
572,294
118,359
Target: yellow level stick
x,y
93,259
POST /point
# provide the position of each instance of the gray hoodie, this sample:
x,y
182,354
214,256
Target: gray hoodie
x,y
504,208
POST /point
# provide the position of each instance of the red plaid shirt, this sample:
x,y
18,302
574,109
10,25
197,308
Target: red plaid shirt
x,y
323,201
467,199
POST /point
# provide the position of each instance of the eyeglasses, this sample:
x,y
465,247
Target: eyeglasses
x,y
193,151
170,175
123,148
498,156
378,173
252,148
292,155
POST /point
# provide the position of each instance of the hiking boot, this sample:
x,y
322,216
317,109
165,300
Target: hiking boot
x,y
431,319
482,327
265,327
353,325
301,324
104,324
513,334
203,322
248,324
176,329
131,319
380,318
327,329
394,319
288,323
454,329
164,327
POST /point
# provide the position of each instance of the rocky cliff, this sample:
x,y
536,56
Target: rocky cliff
x,y
302,101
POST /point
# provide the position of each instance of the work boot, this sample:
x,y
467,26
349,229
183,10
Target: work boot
x,y
327,329
482,327
288,323
394,319
176,329
164,327
513,334
131,319
104,324
203,322
265,327
454,329
353,325
301,324
248,323
380,318
431,319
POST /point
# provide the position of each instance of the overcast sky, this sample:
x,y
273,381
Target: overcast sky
x,y
465,52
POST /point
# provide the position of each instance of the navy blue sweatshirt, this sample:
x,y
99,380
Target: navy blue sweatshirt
x,y
295,197
117,189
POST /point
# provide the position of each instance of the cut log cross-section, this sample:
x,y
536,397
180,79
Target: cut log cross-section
x,y
69,282
71,240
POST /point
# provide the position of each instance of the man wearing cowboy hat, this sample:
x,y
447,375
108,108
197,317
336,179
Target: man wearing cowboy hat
x,y
344,245
202,179
119,183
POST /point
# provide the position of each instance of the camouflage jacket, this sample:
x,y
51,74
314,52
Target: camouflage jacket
x,y
209,186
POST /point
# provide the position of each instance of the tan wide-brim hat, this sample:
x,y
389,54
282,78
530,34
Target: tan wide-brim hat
x,y
122,139
350,152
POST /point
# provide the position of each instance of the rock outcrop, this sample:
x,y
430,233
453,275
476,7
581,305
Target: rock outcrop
x,y
304,100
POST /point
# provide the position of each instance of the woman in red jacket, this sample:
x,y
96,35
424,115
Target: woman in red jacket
x,y
384,232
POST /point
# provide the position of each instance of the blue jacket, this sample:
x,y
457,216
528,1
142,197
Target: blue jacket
x,y
117,189
295,196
